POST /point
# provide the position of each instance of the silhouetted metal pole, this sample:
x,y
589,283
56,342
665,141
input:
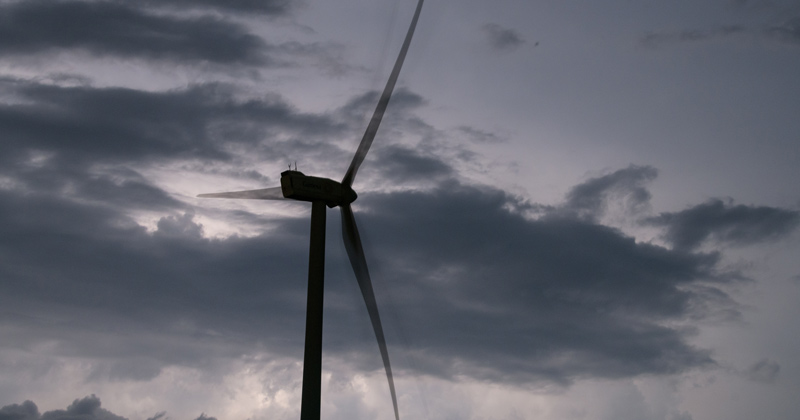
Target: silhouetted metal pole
x,y
312,358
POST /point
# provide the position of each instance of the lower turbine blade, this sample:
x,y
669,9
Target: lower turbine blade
x,y
264,194
352,243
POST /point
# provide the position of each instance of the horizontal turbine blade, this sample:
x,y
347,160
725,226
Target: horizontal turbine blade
x,y
274,193
383,102
352,243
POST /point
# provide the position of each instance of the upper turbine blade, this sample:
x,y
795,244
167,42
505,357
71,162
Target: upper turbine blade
x,y
383,102
274,193
352,243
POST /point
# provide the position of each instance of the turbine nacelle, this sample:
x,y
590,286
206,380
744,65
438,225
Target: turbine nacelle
x,y
297,186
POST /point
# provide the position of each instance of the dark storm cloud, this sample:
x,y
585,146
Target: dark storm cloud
x,y
123,189
74,256
499,297
725,223
490,294
266,7
401,164
501,38
114,187
403,101
480,136
590,199
401,120
113,124
78,126
764,371
25,411
788,31
514,295
106,28
87,408
657,39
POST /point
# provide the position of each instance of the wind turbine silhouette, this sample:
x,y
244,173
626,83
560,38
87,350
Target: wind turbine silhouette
x,y
323,192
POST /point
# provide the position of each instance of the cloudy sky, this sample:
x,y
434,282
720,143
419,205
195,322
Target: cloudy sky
x,y
572,210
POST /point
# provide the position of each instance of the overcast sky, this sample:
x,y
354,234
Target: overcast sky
x,y
572,210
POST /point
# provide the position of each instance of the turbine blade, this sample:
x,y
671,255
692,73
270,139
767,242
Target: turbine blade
x,y
383,102
274,193
352,243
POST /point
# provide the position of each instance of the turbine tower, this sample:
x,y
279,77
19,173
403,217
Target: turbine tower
x,y
323,192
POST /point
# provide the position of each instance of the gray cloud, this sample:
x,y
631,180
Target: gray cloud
x,y
87,408
656,39
683,415
106,28
403,101
543,289
764,371
267,7
501,38
400,164
725,223
82,142
139,31
117,123
25,411
480,136
79,125
482,292
590,199
490,294
512,295
788,31
120,188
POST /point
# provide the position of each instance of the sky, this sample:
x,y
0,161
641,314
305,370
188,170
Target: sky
x,y
572,210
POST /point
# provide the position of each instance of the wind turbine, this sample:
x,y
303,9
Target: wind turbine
x,y
323,192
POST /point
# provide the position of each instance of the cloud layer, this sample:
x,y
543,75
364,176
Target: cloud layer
x,y
87,408
111,28
501,38
108,258
725,223
492,292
